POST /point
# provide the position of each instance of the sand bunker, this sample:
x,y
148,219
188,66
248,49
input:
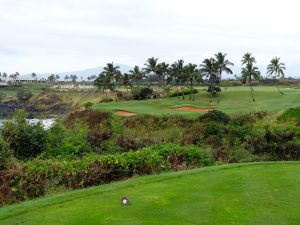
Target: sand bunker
x,y
191,109
124,113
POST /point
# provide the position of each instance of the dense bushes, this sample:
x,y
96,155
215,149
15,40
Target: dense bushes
x,y
66,142
214,115
5,153
290,114
91,147
36,176
278,144
2,96
88,105
184,92
25,140
24,95
106,99
142,93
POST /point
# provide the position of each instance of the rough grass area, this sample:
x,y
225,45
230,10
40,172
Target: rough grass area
x,y
290,114
253,193
233,100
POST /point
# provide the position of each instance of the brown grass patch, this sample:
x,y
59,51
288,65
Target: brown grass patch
x,y
124,113
191,109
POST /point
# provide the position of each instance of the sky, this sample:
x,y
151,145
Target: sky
x,y
69,35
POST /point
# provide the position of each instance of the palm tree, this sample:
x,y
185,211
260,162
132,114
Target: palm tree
x,y
51,78
126,81
192,74
151,68
66,78
73,78
136,74
250,72
275,69
112,73
222,65
4,75
248,59
14,77
176,72
34,76
210,70
163,72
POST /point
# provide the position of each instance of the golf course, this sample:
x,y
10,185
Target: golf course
x,y
248,193
232,100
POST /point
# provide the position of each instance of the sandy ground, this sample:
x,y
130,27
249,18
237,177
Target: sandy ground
x,y
191,109
124,113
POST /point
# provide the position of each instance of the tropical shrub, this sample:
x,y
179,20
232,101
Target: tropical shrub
x,y
88,105
142,93
276,144
2,96
5,153
106,99
184,92
37,176
214,115
290,114
91,118
66,142
24,95
26,140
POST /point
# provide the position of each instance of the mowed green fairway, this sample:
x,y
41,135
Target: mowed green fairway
x,y
253,193
233,100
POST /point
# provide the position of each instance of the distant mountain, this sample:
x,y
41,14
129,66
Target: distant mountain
x,y
291,71
80,73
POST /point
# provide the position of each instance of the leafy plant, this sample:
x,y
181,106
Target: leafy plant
x,y
24,95
88,105
26,140
5,153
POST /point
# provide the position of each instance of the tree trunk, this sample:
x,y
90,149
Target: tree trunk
x,y
219,91
193,92
277,85
251,88
211,90
177,91
182,92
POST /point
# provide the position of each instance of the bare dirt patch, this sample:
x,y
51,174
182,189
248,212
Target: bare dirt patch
x,y
191,109
124,113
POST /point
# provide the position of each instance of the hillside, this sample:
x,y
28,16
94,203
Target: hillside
x,y
80,73
253,193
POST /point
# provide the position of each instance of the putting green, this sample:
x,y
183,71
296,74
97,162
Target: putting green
x,y
252,193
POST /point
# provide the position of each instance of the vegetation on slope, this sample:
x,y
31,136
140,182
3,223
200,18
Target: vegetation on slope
x,y
91,147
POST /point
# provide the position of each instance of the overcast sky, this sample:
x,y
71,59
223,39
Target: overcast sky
x,y
68,35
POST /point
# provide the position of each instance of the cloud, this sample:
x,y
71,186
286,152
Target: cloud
x,y
62,35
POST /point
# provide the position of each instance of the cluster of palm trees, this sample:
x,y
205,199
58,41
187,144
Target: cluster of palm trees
x,y
180,74
163,74
13,77
3,76
250,72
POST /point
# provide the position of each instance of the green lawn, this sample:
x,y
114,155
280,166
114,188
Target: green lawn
x,y
11,92
253,193
235,99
